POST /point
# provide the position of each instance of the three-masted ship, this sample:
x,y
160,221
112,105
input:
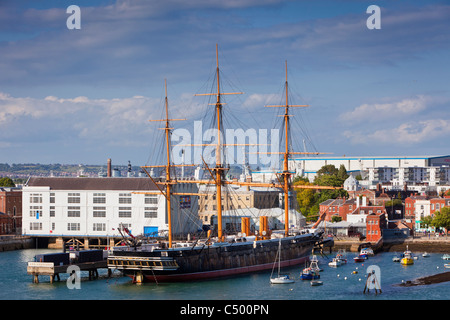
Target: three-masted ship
x,y
218,255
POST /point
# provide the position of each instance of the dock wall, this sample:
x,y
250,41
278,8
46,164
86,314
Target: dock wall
x,y
440,245
8,243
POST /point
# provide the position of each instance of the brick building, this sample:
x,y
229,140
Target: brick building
x,y
10,210
374,224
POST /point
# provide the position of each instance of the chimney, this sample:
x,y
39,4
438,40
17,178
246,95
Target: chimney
x,y
108,171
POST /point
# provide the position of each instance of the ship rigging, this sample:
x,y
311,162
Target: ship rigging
x,y
215,257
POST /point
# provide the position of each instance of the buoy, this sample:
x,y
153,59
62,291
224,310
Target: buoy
x,y
345,278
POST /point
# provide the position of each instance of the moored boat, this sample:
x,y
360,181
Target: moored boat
x,y
279,279
407,259
446,256
367,251
283,279
316,283
359,258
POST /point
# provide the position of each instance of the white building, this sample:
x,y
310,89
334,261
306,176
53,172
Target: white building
x,y
97,207
421,210
429,170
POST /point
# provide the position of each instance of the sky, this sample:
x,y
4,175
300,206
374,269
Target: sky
x,y
81,96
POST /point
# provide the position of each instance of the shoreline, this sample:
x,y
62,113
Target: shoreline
x,y
433,279
441,245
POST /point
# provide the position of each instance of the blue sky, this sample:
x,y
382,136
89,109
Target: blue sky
x,y
82,96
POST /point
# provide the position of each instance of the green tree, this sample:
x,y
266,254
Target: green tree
x,y
6,182
328,169
427,221
342,173
309,199
305,197
442,218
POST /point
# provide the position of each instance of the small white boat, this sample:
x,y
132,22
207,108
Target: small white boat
x,y
396,259
446,256
280,279
336,262
447,265
316,283
426,255
367,251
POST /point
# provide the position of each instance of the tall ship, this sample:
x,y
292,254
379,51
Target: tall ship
x,y
218,253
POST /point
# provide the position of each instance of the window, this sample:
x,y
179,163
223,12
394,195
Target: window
x,y
52,211
73,212
53,226
52,197
99,227
151,212
99,198
35,197
99,212
124,212
151,199
73,226
124,198
35,225
73,198
36,211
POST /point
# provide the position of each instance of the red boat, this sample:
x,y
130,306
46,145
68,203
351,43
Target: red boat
x,y
359,258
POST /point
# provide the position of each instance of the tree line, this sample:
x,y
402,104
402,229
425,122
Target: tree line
x,y
309,199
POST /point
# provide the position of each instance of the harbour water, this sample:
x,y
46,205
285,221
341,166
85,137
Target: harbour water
x,y
338,283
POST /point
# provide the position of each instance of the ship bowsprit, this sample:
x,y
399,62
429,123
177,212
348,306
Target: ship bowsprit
x,y
211,261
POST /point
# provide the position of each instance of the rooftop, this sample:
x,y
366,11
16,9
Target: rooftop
x,y
131,184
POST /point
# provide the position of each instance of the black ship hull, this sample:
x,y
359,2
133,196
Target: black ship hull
x,y
212,261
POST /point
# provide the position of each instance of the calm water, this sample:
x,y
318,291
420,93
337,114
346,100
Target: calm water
x,y
339,283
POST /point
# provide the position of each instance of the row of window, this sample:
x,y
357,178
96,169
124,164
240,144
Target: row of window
x,y
97,212
75,226
75,197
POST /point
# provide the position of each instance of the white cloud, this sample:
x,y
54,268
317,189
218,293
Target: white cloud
x,y
377,111
406,133
259,100
88,118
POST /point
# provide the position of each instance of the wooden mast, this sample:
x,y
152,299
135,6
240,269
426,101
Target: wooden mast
x,y
168,183
219,169
286,174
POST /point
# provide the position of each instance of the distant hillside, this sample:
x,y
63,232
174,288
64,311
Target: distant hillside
x,y
36,169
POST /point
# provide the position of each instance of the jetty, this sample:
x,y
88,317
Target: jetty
x,y
54,264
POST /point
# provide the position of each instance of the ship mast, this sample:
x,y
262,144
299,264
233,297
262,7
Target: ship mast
x,y
218,171
169,182
286,174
